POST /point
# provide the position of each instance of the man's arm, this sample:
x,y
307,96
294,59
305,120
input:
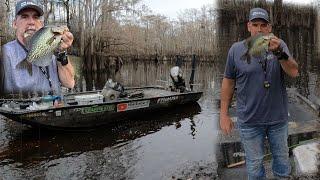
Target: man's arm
x,y
290,66
6,76
227,90
66,72
66,75
1,74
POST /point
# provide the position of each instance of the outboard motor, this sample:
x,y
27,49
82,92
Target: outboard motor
x,y
112,90
177,79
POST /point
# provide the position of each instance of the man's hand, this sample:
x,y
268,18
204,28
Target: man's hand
x,y
274,43
66,40
227,89
226,124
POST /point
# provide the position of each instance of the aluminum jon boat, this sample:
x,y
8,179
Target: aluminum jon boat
x,y
113,103
87,109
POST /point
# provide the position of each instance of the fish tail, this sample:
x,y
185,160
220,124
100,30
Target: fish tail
x,y
246,56
24,64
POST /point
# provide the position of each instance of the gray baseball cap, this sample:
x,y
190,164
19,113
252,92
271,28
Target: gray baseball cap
x,y
258,13
25,4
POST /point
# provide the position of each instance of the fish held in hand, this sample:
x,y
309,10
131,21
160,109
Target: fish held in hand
x,y
41,46
257,46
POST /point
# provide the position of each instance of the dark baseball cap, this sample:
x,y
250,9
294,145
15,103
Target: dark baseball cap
x,y
258,13
25,4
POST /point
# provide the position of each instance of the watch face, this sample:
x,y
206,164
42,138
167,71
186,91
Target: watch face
x,y
63,53
270,56
62,57
266,84
64,60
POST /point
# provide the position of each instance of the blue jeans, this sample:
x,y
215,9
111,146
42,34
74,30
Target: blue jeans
x,y
253,137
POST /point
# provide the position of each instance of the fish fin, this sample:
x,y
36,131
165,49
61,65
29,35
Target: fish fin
x,y
29,68
45,61
244,56
24,64
28,43
247,57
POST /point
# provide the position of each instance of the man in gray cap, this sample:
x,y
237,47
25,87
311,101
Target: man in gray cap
x,y
29,20
21,5
262,103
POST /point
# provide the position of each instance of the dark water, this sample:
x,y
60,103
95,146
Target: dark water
x,y
177,143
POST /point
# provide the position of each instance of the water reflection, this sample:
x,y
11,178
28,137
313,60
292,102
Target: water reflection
x,y
193,128
32,145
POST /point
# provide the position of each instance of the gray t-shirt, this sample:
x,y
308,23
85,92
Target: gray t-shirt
x,y
18,80
255,103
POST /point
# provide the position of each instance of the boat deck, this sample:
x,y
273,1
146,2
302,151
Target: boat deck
x,y
148,92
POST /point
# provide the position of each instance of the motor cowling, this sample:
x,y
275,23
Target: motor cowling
x,y
177,79
112,90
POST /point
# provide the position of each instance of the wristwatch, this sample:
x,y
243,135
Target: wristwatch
x,y
281,55
62,57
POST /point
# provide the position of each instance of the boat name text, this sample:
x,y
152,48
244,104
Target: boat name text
x,y
95,109
39,114
167,99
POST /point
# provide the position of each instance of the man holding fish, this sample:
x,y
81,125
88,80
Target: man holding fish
x,y
255,68
36,61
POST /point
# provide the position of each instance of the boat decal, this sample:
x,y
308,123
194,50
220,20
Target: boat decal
x,y
239,154
95,109
167,99
31,115
122,107
133,105
58,113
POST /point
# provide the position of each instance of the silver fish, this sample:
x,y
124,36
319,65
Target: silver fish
x,y
41,46
257,46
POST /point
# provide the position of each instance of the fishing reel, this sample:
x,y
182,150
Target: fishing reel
x,y
112,90
177,79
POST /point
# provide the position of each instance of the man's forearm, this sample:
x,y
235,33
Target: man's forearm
x,y
290,66
66,75
227,90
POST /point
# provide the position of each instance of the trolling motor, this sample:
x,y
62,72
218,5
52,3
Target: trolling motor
x,y
112,90
177,79
176,75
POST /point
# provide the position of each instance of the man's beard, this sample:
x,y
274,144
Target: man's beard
x,y
29,33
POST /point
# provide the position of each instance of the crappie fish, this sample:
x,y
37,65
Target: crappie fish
x,y
257,46
42,45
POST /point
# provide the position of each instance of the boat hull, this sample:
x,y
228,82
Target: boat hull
x,y
92,115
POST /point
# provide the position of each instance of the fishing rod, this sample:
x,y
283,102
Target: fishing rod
x,y
193,66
